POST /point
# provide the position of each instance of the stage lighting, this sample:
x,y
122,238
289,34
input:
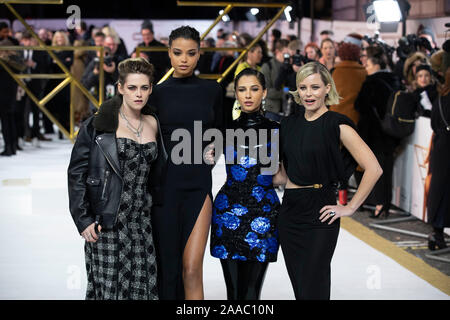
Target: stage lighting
x,y
287,13
387,11
225,18
254,11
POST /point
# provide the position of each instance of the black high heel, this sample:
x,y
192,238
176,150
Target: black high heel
x,y
436,242
384,212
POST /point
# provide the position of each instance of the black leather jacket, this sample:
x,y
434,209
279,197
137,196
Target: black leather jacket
x,y
94,177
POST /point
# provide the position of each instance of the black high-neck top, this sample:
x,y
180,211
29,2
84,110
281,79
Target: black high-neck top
x,y
179,104
248,120
312,151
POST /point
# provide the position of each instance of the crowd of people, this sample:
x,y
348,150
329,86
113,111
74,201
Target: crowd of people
x,y
294,86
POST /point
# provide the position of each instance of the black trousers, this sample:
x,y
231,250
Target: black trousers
x,y
30,107
307,243
243,279
9,131
19,117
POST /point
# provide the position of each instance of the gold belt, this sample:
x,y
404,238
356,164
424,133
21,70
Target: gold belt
x,y
315,186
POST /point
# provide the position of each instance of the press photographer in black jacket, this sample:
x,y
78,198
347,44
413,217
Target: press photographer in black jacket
x,y
373,97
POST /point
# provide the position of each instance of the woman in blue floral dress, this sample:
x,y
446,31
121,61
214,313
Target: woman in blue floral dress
x,y
243,230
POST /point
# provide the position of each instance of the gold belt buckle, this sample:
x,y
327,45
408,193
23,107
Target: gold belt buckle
x,y
317,186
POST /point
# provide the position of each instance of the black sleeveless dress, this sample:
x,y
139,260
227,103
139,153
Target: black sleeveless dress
x,y
312,154
186,108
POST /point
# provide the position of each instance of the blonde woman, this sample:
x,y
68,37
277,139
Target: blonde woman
x,y
319,149
118,47
59,106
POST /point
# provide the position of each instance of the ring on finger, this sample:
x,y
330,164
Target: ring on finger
x,y
332,213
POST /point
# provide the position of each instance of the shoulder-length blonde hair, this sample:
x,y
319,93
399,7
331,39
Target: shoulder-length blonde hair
x,y
64,35
313,68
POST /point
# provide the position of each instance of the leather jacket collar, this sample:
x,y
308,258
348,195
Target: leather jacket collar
x,y
106,118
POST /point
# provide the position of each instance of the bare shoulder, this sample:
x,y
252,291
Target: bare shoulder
x,y
151,120
347,131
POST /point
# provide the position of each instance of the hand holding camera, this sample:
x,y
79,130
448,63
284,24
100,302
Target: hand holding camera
x,y
108,65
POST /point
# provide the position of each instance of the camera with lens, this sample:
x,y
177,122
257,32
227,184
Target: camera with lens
x,y
376,41
108,61
412,43
298,59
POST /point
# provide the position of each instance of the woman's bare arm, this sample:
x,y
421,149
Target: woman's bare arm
x,y
280,178
372,172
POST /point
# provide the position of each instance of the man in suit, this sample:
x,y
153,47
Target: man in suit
x,y
36,62
159,60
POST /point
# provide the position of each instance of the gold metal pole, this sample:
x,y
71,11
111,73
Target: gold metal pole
x,y
53,56
32,96
264,30
71,113
55,91
32,1
225,11
19,82
67,76
101,84
235,4
41,76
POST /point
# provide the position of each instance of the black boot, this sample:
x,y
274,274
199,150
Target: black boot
x,y
436,241
7,152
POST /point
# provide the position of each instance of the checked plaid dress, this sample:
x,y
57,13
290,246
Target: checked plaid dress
x,y
121,265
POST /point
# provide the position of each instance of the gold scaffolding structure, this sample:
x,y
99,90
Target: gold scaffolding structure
x,y
227,8
69,78
66,75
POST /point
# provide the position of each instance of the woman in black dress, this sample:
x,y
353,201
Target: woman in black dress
x,y
438,202
374,94
317,148
114,168
191,105
243,233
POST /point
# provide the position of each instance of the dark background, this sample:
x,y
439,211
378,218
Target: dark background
x,y
165,9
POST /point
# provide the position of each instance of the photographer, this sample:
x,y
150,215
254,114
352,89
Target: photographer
x,y
271,69
429,46
410,46
288,70
90,77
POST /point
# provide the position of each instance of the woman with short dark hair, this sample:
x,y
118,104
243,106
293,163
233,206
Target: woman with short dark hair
x,y
114,171
182,223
